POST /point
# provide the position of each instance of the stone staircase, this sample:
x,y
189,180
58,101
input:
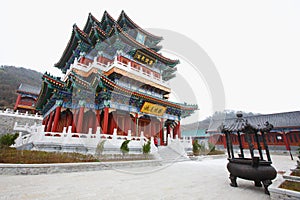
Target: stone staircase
x,y
172,153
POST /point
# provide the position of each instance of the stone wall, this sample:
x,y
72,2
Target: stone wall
x,y
8,119
35,169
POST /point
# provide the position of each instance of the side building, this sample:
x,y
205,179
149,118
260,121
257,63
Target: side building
x,y
27,97
285,135
115,79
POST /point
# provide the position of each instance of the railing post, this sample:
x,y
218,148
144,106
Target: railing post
x,y
129,135
64,130
114,134
69,130
16,124
98,130
142,138
90,131
169,140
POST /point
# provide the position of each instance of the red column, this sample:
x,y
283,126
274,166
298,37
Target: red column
x,y
105,123
168,130
17,102
46,122
286,142
49,125
136,124
224,141
80,120
112,123
75,115
178,130
161,132
56,118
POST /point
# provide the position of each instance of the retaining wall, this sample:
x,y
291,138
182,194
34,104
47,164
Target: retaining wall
x,y
8,119
36,169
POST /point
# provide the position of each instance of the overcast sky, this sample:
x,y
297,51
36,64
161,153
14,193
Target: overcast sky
x,y
255,45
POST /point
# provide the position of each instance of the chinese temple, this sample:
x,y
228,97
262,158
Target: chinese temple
x,y
285,135
27,97
115,78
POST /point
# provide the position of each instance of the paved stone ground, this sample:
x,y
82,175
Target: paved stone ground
x,y
206,179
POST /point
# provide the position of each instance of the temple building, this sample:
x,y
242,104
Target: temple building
x,y
27,97
115,78
285,134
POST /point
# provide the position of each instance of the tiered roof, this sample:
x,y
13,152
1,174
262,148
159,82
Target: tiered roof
x,y
25,88
50,84
96,31
124,20
105,37
91,83
278,120
86,83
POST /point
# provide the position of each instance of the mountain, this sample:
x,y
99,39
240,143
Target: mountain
x,y
10,79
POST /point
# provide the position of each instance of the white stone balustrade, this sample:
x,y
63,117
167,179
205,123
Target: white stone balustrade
x,y
68,141
127,67
187,142
9,112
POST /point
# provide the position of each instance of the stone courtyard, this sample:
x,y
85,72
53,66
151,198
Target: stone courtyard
x,y
203,179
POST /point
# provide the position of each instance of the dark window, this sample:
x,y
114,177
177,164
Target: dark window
x,y
271,139
291,137
295,137
259,138
255,140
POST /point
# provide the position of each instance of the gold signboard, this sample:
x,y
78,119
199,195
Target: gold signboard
x,y
143,58
153,109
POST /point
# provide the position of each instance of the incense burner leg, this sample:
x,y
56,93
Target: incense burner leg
x,y
267,183
257,184
233,181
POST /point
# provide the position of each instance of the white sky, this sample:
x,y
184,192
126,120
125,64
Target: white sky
x,y
254,44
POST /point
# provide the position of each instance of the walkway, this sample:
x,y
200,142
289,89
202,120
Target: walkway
x,y
206,179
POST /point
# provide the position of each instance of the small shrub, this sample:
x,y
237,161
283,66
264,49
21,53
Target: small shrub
x,y
100,148
8,139
211,146
196,148
124,147
147,147
202,148
298,161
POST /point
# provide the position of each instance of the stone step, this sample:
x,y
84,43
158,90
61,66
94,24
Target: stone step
x,y
169,154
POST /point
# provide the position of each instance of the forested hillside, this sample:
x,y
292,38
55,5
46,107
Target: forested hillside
x,y
10,79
